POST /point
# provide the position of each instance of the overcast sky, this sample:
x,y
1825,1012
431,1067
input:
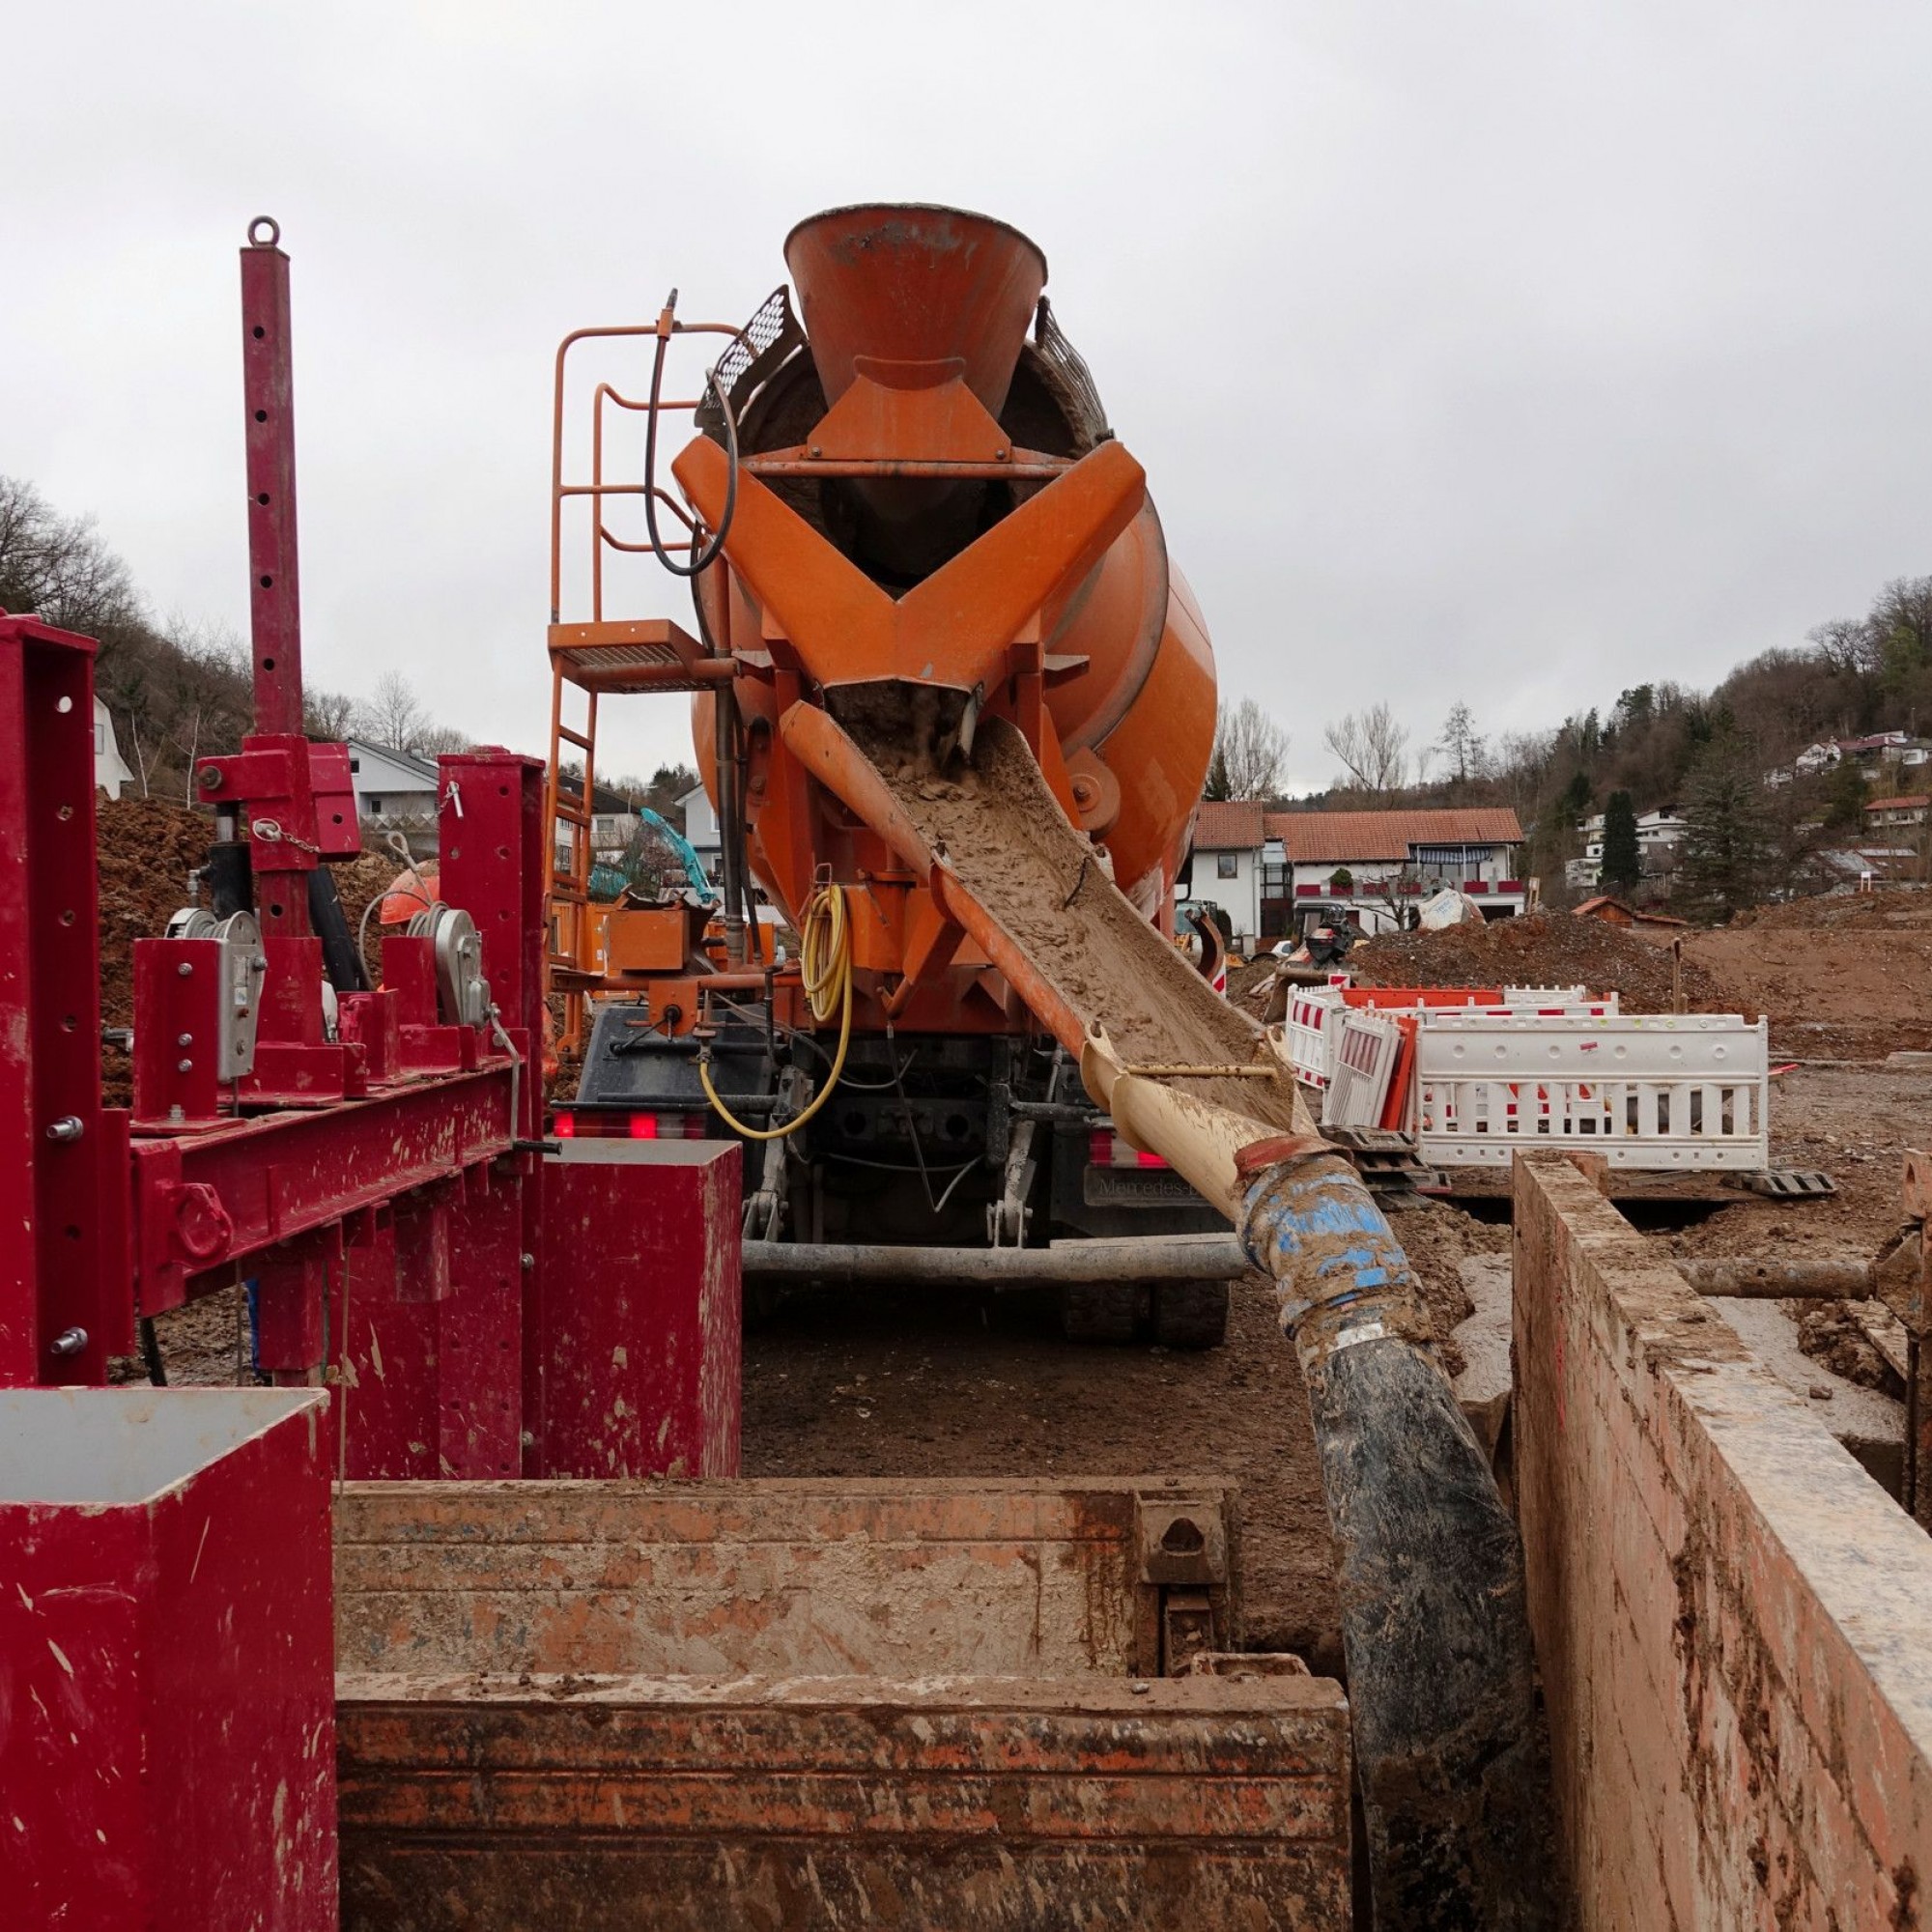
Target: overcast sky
x,y
1506,352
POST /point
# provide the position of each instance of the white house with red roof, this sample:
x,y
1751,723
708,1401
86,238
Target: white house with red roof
x,y
1331,862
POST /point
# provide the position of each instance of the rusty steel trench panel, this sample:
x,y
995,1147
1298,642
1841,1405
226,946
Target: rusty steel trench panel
x,y
612,1803
778,1578
593,1706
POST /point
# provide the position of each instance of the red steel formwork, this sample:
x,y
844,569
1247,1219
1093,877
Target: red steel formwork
x,y
380,1182
167,1689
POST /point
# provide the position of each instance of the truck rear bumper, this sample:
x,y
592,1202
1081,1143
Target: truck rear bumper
x,y
1132,1258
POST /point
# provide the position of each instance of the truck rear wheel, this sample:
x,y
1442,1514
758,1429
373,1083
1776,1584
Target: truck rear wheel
x,y
1102,1311
1190,1313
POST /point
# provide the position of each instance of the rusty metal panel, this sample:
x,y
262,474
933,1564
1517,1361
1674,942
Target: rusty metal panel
x,y
166,1692
640,1320
784,1576
960,1802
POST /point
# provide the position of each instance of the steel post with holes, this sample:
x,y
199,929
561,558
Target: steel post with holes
x,y
64,1304
268,383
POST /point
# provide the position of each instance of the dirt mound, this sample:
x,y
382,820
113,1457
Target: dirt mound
x,y
1831,1334
1249,984
147,847
1840,912
1540,949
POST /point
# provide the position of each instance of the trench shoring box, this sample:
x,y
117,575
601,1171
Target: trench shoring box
x,y
819,1703
167,1737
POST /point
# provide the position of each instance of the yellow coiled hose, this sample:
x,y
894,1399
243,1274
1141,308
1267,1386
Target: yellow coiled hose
x,y
825,955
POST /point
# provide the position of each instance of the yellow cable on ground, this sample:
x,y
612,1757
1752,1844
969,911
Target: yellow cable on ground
x,y
825,953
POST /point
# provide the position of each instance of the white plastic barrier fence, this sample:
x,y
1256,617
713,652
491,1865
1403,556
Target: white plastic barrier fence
x,y
1655,1090
1366,1044
1313,1029
1308,1014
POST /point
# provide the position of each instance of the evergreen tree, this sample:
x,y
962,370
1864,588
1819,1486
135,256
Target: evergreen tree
x,y
1219,784
1726,851
1575,801
1845,795
1623,858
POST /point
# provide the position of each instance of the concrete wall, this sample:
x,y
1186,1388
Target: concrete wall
x,y
1733,1621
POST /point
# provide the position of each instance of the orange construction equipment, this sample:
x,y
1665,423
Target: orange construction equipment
x,y
905,519
921,493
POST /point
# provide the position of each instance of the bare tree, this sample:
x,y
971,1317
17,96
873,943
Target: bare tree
x,y
327,714
1250,751
1373,748
393,717
58,565
433,740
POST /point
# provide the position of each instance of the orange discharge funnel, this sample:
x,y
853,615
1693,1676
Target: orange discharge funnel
x,y
908,285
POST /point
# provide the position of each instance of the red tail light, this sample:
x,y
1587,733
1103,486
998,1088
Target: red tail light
x,y
643,1126
564,1126
1107,1149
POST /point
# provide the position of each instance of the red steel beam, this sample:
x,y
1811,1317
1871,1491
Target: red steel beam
x,y
204,1201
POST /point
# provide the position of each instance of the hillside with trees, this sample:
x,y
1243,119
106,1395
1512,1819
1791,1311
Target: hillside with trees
x,y
178,690
1663,746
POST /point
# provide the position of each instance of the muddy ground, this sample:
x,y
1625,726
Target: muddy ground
x,y
914,1384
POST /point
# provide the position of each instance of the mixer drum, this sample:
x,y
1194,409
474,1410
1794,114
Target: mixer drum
x,y
911,289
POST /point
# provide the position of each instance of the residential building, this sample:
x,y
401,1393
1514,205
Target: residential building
x,y
1228,838
395,791
110,769
613,818
1332,862
1884,815
1872,753
1658,834
700,828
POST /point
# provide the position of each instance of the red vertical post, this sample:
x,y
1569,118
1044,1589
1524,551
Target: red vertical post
x,y
490,834
494,864
275,621
268,382
65,1304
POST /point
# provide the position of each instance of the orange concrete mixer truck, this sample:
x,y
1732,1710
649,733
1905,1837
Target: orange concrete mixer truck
x,y
902,481
955,709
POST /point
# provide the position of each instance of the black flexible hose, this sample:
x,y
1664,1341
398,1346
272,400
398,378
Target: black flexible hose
x,y
703,561
1451,1753
151,1354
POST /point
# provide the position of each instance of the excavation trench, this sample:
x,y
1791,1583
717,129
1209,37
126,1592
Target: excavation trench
x,y
1451,1755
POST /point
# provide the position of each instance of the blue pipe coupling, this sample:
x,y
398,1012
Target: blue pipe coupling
x,y
1339,1271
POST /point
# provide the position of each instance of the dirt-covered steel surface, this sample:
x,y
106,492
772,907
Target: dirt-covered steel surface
x,y
1011,846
